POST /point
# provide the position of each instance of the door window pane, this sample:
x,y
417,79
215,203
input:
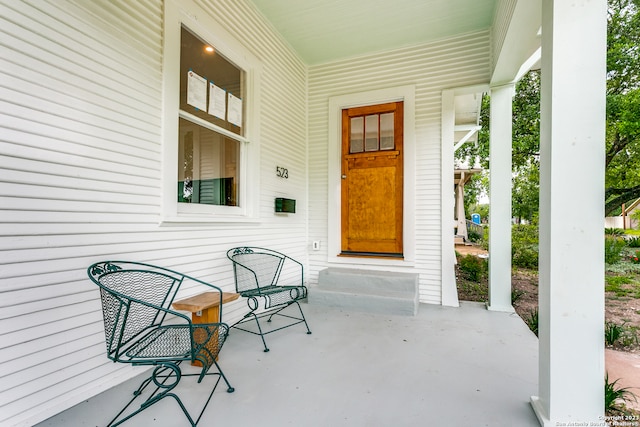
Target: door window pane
x,y
371,133
357,135
386,132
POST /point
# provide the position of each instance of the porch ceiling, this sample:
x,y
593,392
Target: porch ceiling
x,y
327,30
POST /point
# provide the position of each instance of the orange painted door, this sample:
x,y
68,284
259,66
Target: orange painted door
x,y
372,180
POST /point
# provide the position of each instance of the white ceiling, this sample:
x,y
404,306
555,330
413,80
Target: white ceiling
x,y
327,30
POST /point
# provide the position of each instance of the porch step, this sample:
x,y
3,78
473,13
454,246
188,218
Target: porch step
x,y
381,292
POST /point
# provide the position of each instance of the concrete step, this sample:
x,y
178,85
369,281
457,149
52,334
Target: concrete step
x,y
381,292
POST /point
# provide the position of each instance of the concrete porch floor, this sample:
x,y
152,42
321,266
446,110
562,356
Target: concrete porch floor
x,y
445,367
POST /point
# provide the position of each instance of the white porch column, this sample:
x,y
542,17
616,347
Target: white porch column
x,y
571,295
500,198
460,213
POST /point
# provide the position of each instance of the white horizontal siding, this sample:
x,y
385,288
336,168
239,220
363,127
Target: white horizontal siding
x,y
454,62
80,181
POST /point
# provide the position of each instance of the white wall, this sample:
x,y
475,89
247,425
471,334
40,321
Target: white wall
x,y
455,62
80,181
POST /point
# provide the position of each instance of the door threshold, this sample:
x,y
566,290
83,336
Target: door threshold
x,y
371,254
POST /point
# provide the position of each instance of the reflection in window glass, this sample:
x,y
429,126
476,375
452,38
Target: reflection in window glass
x,y
371,133
208,166
386,132
357,135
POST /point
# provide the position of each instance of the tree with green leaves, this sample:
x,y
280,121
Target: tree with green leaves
x,y
622,157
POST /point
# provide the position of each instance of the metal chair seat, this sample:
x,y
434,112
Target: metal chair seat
x,y
173,343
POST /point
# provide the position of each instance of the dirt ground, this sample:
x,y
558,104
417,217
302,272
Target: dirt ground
x,y
621,310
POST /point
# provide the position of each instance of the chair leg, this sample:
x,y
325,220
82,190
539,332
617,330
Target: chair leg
x,y
269,315
161,375
229,388
266,349
304,319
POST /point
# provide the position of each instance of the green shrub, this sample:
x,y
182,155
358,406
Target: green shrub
x,y
524,246
623,268
613,247
614,231
474,236
634,242
472,267
612,332
524,256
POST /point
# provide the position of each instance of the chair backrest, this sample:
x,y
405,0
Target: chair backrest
x,y
255,268
133,296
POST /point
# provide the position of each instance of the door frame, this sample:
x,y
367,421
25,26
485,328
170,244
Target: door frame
x,y
336,105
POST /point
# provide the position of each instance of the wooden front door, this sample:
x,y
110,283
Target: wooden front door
x,y
372,180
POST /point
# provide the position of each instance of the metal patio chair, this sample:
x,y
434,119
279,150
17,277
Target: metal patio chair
x,y
142,329
271,282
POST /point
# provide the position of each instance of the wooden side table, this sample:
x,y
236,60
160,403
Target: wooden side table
x,y
205,307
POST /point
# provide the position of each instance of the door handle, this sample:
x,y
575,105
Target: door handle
x,y
344,176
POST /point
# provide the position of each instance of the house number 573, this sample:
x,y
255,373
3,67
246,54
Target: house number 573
x,y
282,172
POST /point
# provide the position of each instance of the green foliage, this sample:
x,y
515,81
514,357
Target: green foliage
x,y
634,242
473,268
614,232
622,179
531,319
613,247
480,209
524,246
612,332
615,284
474,236
477,186
623,39
525,193
623,268
622,157
613,394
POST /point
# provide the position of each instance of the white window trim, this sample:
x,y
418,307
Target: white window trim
x,y
336,105
197,20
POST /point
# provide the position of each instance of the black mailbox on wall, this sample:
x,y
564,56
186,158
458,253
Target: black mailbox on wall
x,y
285,205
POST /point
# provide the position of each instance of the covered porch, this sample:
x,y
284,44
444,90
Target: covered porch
x,y
444,367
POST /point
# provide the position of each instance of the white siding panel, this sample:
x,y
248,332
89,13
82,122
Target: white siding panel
x,y
81,181
455,62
